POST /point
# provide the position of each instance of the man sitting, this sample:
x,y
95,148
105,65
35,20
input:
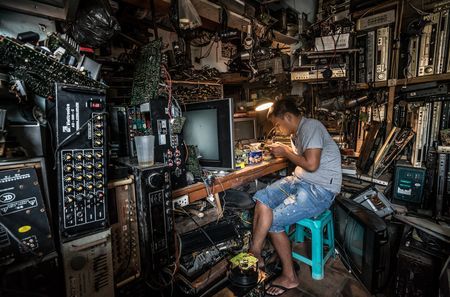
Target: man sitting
x,y
308,192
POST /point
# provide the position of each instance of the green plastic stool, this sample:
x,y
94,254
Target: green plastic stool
x,y
317,226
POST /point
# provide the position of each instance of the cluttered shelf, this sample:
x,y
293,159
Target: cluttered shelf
x,y
402,82
197,191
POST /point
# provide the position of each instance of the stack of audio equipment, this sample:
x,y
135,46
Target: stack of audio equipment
x,y
420,259
155,118
428,51
88,265
374,42
80,158
25,232
124,231
155,215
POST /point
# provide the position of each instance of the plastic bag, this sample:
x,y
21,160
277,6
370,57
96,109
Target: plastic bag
x,y
94,26
188,16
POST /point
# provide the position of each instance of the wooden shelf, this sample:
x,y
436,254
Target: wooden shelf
x,y
233,78
187,82
423,79
365,86
402,82
319,80
326,53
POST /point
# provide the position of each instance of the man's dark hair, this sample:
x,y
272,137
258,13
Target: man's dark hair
x,y
281,107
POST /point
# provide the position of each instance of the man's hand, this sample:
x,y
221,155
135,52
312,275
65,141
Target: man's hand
x,y
279,150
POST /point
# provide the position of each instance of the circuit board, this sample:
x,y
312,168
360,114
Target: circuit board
x,y
147,73
38,70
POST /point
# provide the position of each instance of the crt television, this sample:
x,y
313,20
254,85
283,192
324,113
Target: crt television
x,y
209,126
362,239
244,129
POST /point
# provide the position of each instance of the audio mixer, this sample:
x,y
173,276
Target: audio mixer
x,y
80,157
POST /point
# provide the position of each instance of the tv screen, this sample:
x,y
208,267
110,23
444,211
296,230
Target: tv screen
x,y
362,239
244,129
209,126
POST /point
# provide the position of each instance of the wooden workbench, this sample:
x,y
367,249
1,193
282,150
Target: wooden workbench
x,y
198,191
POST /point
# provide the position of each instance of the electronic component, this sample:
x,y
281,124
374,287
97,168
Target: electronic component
x,y
118,137
333,42
417,273
25,233
88,268
337,71
421,127
155,215
428,45
361,58
38,70
376,20
442,42
124,231
382,54
243,270
81,160
395,142
409,184
169,148
370,146
441,182
370,60
147,74
413,61
375,201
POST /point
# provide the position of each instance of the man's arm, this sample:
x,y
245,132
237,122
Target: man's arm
x,y
310,160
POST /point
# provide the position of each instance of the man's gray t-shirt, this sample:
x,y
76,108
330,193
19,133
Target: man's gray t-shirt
x,y
312,134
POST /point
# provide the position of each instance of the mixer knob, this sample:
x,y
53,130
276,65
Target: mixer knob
x,y
69,199
89,156
98,134
98,155
98,175
99,165
155,180
79,167
89,166
80,188
100,195
98,118
68,157
90,186
89,176
99,186
98,143
79,177
79,198
68,168
68,178
69,189
79,156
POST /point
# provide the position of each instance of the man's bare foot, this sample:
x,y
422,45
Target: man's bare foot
x,y
281,284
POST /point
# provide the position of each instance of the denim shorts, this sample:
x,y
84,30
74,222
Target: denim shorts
x,y
292,199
